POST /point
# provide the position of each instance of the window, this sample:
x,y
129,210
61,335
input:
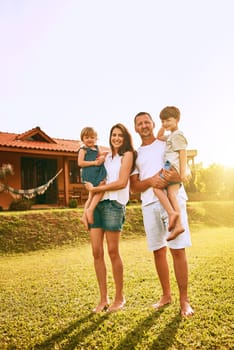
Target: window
x,y
74,172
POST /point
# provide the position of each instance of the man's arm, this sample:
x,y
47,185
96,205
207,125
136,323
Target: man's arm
x,y
171,175
137,185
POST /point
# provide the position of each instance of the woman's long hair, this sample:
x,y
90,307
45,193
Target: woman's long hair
x,y
127,143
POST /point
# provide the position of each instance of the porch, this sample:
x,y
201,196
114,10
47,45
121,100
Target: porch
x,y
78,193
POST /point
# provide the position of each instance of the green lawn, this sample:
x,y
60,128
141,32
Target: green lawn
x,y
47,297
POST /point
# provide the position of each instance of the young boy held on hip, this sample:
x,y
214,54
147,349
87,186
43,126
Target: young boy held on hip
x,y
175,156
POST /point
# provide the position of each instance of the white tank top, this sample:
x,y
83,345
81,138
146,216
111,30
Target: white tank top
x,y
113,166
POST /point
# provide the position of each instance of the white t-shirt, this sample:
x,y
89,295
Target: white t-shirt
x,y
113,166
149,162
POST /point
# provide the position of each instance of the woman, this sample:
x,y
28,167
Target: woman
x,y
109,215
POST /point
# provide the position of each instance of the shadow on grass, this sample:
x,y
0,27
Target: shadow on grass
x,y
164,340
70,336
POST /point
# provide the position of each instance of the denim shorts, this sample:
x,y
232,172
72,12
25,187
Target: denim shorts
x,y
109,215
167,166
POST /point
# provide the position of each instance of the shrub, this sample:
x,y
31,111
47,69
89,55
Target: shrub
x,y
73,203
20,204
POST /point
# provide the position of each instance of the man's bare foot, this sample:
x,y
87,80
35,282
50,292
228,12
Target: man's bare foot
x,y
186,310
89,216
84,221
165,300
172,220
102,306
117,305
176,232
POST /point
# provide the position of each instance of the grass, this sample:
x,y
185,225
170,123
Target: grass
x,y
21,232
47,297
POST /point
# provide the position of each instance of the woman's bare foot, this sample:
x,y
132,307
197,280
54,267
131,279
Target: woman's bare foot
x,y
165,300
117,305
186,310
102,306
172,220
89,215
176,232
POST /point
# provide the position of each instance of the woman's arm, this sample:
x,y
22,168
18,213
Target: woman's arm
x,y
121,182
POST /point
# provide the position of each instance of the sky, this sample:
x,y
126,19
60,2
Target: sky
x,y
67,64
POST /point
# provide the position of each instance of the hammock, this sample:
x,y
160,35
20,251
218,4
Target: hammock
x,y
31,192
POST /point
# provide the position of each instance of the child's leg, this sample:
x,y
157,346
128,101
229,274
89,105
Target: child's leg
x,y
84,219
164,200
172,191
94,202
96,197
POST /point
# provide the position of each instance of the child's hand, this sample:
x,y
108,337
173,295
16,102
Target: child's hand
x,y
104,153
100,160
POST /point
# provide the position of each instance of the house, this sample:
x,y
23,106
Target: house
x,y
36,158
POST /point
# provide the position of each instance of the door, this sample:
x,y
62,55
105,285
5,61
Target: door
x,y
36,172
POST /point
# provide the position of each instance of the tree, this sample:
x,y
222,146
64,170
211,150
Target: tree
x,y
215,182
211,179
5,171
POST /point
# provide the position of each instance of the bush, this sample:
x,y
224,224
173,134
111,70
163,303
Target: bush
x,y
73,203
20,204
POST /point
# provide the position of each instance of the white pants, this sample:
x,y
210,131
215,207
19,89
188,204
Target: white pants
x,y
156,223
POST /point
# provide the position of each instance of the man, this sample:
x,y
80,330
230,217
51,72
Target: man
x,y
149,163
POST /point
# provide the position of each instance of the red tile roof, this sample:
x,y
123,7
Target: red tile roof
x,y
38,140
